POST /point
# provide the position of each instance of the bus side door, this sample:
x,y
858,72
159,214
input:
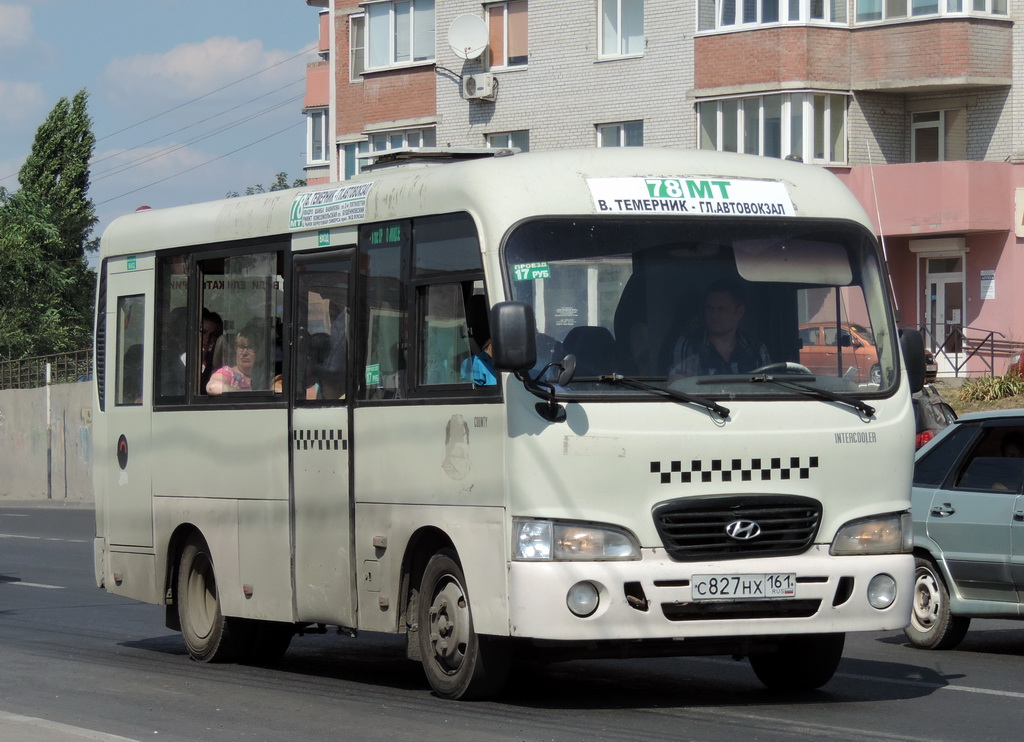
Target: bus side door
x,y
124,453
320,439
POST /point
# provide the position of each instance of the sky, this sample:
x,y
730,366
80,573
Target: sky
x,y
189,99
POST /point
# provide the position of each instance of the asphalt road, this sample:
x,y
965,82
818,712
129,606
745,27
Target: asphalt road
x,y
77,663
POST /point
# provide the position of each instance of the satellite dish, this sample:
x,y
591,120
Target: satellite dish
x,y
467,36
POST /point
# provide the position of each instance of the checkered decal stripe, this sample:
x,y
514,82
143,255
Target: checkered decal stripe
x,y
735,470
319,440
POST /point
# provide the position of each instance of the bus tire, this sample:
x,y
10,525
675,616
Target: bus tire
x,y
802,662
458,663
932,626
209,636
266,641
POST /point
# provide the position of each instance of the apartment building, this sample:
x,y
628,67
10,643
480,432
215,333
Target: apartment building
x,y
915,104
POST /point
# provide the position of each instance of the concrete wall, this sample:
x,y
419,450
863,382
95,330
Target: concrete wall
x,y
27,444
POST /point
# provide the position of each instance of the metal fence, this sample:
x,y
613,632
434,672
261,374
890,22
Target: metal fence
x,y
30,373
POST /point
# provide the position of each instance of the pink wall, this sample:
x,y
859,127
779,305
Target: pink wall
x,y
970,200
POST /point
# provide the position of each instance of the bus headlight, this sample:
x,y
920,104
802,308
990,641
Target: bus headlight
x,y
552,540
888,534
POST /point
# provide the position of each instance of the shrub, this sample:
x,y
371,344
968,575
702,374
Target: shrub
x,y
989,388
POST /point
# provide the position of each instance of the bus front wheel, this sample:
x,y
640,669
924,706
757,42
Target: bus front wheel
x,y
801,662
459,664
209,636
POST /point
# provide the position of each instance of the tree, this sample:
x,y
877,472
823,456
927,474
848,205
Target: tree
x,y
46,287
280,184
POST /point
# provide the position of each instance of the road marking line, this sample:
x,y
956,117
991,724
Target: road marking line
x,y
36,584
937,686
41,538
7,720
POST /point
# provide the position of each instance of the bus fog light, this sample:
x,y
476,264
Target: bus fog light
x,y
582,599
881,591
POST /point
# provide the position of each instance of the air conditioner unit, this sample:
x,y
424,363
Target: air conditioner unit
x,y
479,87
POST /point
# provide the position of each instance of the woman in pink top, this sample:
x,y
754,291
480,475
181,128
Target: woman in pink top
x,y
237,378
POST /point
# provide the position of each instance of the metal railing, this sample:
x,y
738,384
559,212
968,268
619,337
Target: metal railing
x,y
959,347
30,373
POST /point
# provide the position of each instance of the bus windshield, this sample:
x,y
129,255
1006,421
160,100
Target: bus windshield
x,y
707,306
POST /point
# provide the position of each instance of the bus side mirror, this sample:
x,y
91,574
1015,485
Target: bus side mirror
x,y
513,336
912,344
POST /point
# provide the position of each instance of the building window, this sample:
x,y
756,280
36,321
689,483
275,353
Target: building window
x,y
507,34
518,139
727,14
621,27
399,33
937,136
382,142
626,134
401,139
317,136
883,10
356,47
806,126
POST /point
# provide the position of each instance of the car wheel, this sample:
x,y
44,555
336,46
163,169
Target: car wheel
x,y
801,662
875,375
932,626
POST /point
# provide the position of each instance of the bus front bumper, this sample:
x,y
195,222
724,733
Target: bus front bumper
x,y
654,597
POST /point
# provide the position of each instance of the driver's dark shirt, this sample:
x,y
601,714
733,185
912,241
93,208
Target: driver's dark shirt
x,y
696,356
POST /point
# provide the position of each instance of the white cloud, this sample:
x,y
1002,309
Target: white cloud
x,y
15,26
19,102
191,70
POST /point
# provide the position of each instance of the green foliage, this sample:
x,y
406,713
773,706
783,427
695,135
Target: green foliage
x,y
990,388
46,287
280,184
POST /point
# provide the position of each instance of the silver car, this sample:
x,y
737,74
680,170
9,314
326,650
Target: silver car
x,y
968,527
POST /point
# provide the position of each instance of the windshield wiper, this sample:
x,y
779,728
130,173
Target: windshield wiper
x,y
857,404
722,412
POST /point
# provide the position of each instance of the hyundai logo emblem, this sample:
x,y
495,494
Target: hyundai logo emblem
x,y
743,530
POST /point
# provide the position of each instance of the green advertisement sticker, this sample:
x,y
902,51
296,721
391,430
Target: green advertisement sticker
x,y
373,374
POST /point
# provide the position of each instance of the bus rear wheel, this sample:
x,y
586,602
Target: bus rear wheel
x,y
209,636
459,664
802,662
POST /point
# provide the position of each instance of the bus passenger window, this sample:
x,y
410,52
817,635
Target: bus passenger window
x,y
131,312
386,319
246,293
172,325
446,356
323,326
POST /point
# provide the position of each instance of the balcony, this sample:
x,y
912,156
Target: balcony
x,y
940,54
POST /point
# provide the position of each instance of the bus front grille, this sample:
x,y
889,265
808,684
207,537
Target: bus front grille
x,y
737,527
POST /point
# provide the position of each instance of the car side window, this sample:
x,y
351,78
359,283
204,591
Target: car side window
x,y
996,464
931,469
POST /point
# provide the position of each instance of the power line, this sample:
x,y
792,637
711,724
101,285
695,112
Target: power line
x,y
196,167
207,95
118,169
193,100
121,153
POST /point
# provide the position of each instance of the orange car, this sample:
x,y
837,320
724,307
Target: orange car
x,y
853,356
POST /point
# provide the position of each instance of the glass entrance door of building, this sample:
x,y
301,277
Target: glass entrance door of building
x,y
944,309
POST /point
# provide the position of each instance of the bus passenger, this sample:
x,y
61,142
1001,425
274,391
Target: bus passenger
x,y
719,347
213,328
237,378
